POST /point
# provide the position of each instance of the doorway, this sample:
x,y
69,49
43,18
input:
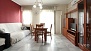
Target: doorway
x,y
57,20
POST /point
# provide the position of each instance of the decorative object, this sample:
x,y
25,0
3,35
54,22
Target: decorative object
x,y
37,7
38,4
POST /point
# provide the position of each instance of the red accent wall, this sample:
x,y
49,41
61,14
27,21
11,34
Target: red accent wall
x,y
10,12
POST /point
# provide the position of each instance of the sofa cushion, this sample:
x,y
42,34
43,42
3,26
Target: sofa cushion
x,y
2,41
26,32
17,36
13,27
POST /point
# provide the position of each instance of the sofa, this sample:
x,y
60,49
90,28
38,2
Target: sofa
x,y
2,43
14,31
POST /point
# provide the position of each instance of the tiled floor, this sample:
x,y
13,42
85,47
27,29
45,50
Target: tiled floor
x,y
58,43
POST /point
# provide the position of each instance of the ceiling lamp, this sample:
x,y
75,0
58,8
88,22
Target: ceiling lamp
x,y
38,4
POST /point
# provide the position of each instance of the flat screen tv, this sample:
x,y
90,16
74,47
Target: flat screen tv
x,y
73,26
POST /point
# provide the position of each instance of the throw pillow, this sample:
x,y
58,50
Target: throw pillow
x,y
2,30
23,28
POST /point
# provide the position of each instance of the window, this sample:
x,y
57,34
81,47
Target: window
x,y
47,17
27,17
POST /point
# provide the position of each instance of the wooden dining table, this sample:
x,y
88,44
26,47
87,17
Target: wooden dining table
x,y
41,29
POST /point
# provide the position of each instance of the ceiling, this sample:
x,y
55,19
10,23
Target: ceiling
x,y
45,2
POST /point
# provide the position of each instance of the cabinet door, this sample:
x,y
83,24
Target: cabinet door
x,y
65,32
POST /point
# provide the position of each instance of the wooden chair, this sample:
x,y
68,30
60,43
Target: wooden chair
x,y
42,24
39,32
32,30
39,25
49,32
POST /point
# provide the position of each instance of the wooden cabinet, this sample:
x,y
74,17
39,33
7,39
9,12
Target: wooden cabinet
x,y
82,36
68,33
67,25
72,36
84,32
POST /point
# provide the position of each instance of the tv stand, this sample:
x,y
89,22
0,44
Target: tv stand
x,y
71,35
68,32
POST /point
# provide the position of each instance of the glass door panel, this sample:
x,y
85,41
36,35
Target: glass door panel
x,y
81,23
88,25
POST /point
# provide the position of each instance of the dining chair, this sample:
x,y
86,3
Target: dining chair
x,y
39,25
32,30
49,32
42,24
39,32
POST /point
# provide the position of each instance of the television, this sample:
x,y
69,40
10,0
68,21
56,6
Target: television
x,y
73,26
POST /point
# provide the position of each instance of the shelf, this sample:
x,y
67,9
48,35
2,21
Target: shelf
x,y
71,31
74,10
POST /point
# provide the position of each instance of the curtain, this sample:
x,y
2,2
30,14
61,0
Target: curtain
x,y
27,17
47,17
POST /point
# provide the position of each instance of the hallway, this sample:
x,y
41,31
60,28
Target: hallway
x,y
58,43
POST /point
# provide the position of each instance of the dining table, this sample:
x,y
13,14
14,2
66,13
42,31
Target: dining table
x,y
44,31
